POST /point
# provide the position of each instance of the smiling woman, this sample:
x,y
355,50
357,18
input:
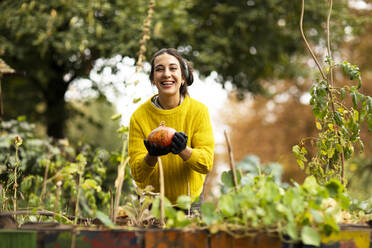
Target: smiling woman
x,y
190,156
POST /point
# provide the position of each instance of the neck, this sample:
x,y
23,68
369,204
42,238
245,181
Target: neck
x,y
169,102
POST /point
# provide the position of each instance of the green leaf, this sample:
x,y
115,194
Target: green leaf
x,y
104,219
182,220
334,188
354,99
89,184
291,230
184,202
317,215
226,205
310,236
155,210
227,179
342,93
208,211
338,118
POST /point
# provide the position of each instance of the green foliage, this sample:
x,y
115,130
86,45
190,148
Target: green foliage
x,y
64,164
359,176
302,212
175,218
93,118
137,208
339,113
338,123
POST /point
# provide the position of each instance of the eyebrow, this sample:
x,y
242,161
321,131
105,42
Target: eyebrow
x,y
158,65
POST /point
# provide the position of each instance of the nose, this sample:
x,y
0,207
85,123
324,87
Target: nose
x,y
167,72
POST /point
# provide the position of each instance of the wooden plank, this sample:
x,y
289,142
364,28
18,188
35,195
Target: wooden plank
x,y
176,238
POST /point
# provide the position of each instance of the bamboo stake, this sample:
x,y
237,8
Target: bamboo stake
x,y
231,160
161,179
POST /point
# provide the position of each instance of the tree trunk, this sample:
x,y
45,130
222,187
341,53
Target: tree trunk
x,y
56,114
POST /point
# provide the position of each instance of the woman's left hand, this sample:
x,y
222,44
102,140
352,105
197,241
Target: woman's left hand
x,y
179,142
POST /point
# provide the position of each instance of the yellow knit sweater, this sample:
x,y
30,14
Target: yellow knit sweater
x,y
190,117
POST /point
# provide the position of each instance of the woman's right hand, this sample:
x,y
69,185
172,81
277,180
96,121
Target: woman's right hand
x,y
155,150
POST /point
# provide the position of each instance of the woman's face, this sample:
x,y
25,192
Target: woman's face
x,y
167,75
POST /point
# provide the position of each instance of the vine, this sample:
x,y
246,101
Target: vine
x,y
337,122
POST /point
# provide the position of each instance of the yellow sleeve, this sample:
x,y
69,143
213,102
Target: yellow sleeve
x,y
140,170
202,144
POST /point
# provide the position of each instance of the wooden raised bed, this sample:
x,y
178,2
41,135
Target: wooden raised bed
x,y
48,236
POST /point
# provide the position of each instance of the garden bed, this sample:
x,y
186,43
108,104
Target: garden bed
x,y
47,235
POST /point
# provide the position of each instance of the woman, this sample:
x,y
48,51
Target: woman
x,y
190,157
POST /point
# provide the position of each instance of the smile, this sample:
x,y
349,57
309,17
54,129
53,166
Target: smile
x,y
167,83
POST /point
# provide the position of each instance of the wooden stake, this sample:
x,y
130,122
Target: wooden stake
x,y
231,160
119,185
161,179
189,195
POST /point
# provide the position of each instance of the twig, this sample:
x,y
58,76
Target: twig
x,y
231,159
307,44
161,179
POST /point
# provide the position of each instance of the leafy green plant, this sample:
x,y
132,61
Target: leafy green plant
x,y
301,212
51,168
138,207
337,121
175,218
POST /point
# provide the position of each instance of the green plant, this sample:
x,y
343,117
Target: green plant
x,y
138,207
51,168
175,218
337,121
300,212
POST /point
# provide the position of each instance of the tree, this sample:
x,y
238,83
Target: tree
x,y
52,43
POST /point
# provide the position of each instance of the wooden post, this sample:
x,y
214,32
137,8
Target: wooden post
x,y
161,179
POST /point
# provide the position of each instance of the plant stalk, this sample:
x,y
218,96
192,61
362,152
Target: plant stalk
x,y
307,43
43,191
58,194
328,79
15,185
119,185
231,160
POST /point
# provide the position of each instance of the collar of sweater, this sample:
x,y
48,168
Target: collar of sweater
x,y
184,103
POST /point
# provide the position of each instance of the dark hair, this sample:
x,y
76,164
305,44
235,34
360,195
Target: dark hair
x,y
186,68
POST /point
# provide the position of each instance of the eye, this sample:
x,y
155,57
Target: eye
x,y
159,69
173,68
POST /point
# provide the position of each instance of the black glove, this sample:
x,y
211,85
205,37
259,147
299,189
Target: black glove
x,y
179,142
155,150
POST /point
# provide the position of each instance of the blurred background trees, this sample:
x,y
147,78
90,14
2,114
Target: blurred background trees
x,y
53,43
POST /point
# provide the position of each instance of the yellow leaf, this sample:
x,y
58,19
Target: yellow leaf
x,y
318,125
